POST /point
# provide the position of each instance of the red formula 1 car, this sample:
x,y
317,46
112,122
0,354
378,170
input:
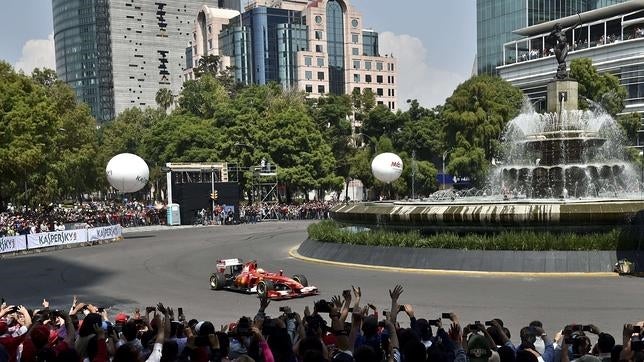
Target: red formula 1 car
x,y
246,277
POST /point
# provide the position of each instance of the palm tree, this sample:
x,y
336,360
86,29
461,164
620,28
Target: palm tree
x,y
164,98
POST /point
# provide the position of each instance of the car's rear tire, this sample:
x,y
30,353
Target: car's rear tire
x,y
264,287
217,281
301,279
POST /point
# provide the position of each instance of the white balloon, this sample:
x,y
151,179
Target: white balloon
x,y
127,172
387,167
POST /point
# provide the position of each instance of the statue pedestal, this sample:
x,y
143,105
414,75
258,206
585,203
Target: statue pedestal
x,y
563,94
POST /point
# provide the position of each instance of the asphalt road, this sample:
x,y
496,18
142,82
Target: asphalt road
x,y
173,266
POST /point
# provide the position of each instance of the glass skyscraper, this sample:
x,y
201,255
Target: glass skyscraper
x,y
497,19
117,54
83,52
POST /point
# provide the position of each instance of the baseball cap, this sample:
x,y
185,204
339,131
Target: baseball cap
x,y
121,318
478,349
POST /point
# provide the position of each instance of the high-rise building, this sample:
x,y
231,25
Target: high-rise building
x,y
319,47
117,54
496,20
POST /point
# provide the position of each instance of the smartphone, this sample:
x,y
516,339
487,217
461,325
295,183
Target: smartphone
x,y
401,308
385,312
351,310
586,328
488,323
637,329
180,310
446,316
101,309
346,291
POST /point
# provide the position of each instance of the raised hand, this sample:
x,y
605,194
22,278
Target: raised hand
x,y
356,292
162,308
45,304
337,302
395,294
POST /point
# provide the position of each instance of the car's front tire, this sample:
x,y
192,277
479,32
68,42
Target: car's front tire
x,y
217,281
301,279
264,287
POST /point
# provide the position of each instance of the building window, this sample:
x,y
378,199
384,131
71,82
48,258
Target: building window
x,y
308,75
380,92
318,35
318,48
209,29
318,19
355,38
367,78
355,23
378,66
393,92
321,89
320,62
355,51
392,80
356,78
379,79
367,65
356,64
309,88
308,61
320,75
209,43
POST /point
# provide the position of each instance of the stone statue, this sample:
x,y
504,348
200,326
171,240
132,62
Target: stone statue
x,y
558,38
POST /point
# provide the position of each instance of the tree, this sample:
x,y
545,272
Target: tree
x,y
475,116
203,96
602,88
208,64
164,98
47,139
630,124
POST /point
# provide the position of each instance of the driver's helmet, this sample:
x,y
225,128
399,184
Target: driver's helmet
x,y
260,270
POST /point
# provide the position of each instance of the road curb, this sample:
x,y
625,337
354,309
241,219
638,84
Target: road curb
x,y
294,252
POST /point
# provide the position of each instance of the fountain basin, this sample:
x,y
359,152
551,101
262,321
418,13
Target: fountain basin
x,y
493,215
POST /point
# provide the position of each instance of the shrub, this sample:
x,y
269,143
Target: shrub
x,y
332,232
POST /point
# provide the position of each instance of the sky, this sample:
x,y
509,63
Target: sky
x,y
433,41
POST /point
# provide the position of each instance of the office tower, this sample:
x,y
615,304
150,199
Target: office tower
x,y
117,54
319,47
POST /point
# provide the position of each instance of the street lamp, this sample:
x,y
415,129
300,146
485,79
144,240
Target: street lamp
x,y
413,174
444,155
641,172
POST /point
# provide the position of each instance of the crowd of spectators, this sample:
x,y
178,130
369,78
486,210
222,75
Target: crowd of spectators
x,y
16,221
20,221
314,210
342,329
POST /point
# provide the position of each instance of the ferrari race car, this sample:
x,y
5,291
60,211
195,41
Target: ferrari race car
x,y
246,277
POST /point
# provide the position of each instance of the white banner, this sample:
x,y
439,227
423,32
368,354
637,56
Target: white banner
x,y
43,240
104,233
9,244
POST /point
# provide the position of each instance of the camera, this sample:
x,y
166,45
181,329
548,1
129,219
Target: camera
x,y
446,316
322,306
434,322
488,323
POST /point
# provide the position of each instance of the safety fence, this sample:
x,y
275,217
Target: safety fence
x,y
10,244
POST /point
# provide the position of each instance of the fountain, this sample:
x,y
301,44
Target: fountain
x,y
564,170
